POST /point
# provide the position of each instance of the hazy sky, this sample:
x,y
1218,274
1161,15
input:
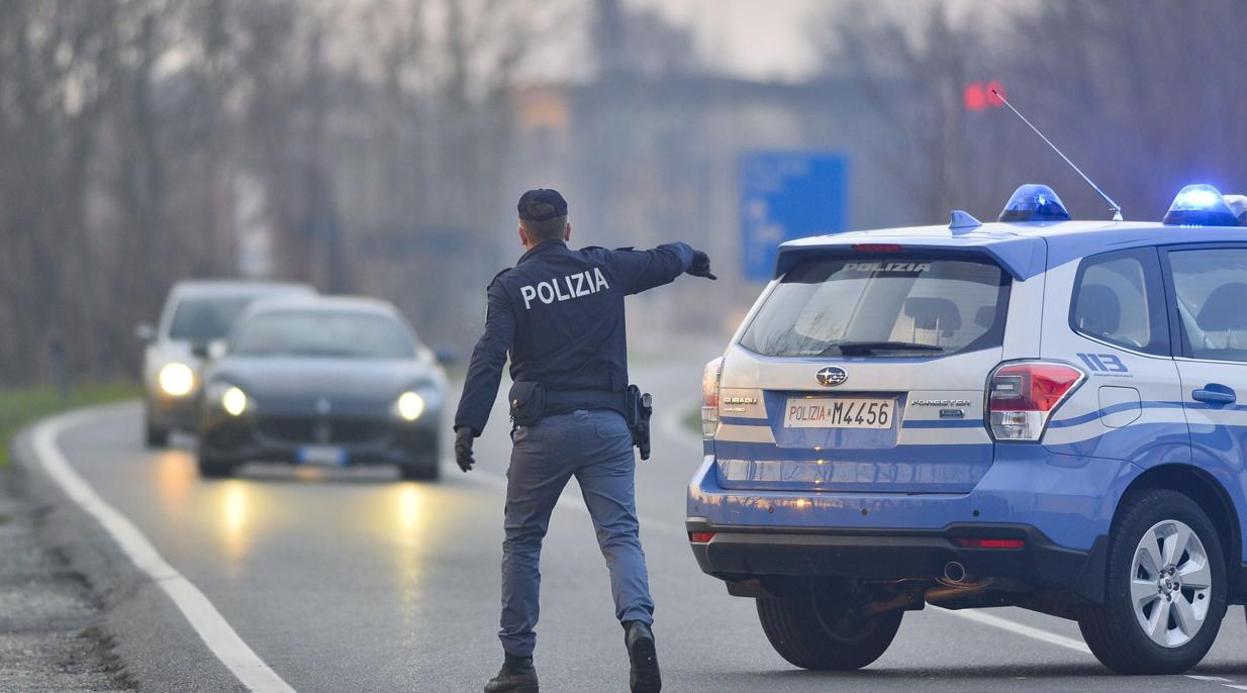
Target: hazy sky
x,y
750,38
775,39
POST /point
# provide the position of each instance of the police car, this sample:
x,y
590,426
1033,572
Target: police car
x,y
1037,412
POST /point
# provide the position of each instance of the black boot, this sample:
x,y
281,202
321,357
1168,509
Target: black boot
x,y
639,639
517,675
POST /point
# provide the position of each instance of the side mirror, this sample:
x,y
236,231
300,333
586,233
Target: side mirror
x,y
210,351
144,332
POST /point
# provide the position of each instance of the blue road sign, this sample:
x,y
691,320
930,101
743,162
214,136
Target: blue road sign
x,y
786,195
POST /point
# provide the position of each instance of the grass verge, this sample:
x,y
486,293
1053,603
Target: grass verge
x,y
21,406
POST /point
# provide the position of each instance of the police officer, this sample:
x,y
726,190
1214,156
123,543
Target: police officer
x,y
560,314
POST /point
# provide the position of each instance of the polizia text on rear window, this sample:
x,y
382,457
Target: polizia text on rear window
x,y
892,306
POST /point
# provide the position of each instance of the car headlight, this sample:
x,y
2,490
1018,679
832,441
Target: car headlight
x,y
176,379
228,397
410,406
234,401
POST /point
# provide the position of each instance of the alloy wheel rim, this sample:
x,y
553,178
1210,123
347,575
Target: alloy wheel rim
x,y
1170,583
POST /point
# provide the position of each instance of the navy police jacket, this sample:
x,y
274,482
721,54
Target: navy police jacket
x,y
560,314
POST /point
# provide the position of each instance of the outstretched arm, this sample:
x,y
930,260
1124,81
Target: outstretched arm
x,y
641,270
485,368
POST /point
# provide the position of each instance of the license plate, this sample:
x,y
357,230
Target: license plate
x,y
323,455
838,412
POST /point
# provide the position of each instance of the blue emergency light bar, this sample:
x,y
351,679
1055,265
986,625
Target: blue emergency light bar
x,y
1032,202
1200,205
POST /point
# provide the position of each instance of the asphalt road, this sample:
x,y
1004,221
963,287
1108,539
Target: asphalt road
x,y
354,581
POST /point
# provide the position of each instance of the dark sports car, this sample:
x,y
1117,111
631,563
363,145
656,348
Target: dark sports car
x,y
318,380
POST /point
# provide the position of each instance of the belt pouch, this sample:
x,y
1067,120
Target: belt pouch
x,y
528,403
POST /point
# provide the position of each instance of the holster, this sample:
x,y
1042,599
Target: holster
x,y
640,407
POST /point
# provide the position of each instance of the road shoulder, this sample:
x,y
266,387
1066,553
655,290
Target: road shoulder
x,y
144,629
50,620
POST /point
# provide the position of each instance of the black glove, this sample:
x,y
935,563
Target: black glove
x,y
701,266
463,447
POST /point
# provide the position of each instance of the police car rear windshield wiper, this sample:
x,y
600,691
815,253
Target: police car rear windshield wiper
x,y
871,348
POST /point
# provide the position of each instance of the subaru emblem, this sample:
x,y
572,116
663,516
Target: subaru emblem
x,y
323,406
831,376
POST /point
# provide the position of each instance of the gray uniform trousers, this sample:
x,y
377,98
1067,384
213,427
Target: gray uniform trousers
x,y
595,447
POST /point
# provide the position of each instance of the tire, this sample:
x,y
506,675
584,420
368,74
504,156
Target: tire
x,y
1114,631
155,436
422,468
815,632
210,468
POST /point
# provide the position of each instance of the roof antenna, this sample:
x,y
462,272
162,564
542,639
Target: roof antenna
x,y
1112,206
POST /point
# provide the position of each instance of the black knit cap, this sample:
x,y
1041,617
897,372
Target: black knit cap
x,y
542,204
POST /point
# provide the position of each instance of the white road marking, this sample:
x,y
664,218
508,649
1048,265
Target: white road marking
x,y
216,632
1018,628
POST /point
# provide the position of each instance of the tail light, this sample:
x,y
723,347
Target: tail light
x,y
710,397
1022,397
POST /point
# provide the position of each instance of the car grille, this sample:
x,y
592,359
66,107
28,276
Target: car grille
x,y
321,430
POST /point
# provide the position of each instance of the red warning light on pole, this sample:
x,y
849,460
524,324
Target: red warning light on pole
x,y
973,97
978,96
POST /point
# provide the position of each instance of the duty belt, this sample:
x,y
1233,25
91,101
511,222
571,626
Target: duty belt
x,y
566,401
530,402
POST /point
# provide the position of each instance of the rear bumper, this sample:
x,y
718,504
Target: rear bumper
x,y
1061,506
1070,500
738,554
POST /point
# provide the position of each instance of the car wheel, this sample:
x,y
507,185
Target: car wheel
x,y
210,468
156,437
1166,590
422,468
818,631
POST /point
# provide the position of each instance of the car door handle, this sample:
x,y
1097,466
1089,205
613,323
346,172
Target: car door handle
x,y
1214,394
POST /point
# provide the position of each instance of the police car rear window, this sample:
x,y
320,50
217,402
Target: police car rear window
x,y
885,306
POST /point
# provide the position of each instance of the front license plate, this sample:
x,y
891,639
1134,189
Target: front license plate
x,y
838,412
324,455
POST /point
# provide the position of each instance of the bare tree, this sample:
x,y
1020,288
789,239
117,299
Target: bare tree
x,y
911,62
1141,92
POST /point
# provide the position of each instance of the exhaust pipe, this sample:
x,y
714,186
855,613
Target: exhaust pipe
x,y
954,572
952,592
